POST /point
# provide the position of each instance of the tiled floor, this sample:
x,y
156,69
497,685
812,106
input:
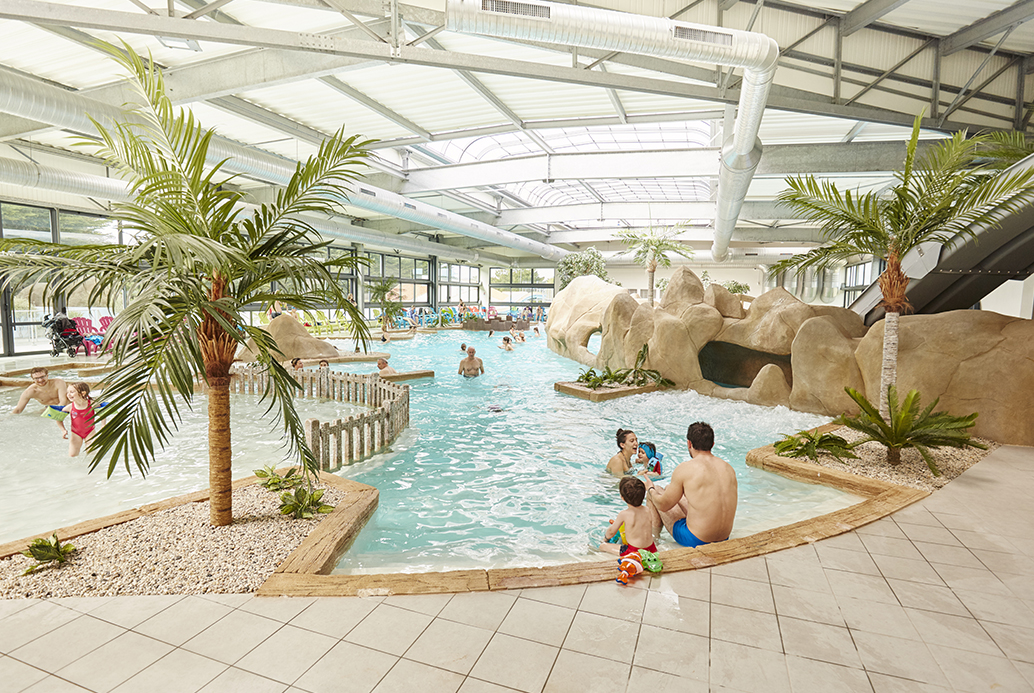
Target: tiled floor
x,y
939,597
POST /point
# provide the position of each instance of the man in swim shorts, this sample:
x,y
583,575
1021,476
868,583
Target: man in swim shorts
x,y
471,367
51,392
699,505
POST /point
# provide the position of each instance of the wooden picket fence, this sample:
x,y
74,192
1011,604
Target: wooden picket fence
x,y
342,441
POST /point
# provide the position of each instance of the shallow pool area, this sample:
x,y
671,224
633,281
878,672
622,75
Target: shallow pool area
x,y
502,471
44,489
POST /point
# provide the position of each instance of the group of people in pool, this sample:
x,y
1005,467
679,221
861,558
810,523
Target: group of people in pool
x,y
697,506
472,366
382,366
63,400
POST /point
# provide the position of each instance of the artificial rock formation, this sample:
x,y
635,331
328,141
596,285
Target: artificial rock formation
x,y
293,340
780,351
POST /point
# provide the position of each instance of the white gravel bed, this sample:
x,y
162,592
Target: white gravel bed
x,y
174,551
912,471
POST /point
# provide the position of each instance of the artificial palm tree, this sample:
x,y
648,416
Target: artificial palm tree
x,y
197,258
384,293
936,199
651,249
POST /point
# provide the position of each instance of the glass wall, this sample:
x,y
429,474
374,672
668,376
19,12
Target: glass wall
x,y
511,289
412,278
22,312
858,277
458,283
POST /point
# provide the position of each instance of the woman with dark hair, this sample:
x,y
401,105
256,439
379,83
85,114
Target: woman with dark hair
x,y
628,448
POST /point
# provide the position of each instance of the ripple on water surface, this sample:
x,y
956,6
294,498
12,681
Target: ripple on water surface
x,y
502,470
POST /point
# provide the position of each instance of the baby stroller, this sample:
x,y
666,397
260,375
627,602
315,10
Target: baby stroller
x,y
63,334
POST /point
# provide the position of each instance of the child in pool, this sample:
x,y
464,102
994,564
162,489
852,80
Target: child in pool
x,y
638,529
651,461
80,409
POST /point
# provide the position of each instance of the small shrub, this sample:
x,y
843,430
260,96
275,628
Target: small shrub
x,y
275,482
907,427
303,504
47,551
808,444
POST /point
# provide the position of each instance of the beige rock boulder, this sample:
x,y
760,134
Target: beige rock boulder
x,y
724,302
974,361
769,388
616,321
684,289
822,358
576,314
293,340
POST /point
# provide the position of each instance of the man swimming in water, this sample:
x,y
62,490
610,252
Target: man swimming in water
x,y
471,367
384,369
699,505
52,393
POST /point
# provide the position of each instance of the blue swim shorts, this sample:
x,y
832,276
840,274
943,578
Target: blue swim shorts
x,y
683,536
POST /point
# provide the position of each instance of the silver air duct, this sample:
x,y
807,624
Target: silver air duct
x,y
46,103
33,175
572,25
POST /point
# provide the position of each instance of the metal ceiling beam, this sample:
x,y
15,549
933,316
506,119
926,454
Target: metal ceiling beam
x,y
779,160
989,26
867,13
263,116
704,234
344,10
375,106
205,9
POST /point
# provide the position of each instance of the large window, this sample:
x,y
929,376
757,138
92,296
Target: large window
x,y
458,283
412,277
511,289
858,277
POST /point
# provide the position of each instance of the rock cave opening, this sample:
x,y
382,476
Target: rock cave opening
x,y
595,340
732,365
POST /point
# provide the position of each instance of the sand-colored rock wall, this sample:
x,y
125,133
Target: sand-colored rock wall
x,y
293,340
780,351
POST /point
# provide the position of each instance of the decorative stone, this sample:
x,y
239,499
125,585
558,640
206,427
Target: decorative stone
x,y
769,388
576,313
728,305
823,365
293,340
616,321
683,288
973,360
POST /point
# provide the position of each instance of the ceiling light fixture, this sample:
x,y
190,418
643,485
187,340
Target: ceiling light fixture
x,y
183,44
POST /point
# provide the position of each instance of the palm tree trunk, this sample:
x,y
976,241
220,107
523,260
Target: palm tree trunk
x,y
889,368
649,284
894,287
893,456
218,349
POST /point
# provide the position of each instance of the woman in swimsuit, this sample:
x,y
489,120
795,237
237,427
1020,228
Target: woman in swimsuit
x,y
81,412
628,448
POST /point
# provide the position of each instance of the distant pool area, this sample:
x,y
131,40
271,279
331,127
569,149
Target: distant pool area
x,y
502,471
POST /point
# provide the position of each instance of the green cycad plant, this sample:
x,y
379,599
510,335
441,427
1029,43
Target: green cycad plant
x,y
651,249
638,376
937,199
809,444
195,258
383,293
908,427
46,552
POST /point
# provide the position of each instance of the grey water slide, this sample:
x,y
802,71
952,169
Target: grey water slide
x,y
943,279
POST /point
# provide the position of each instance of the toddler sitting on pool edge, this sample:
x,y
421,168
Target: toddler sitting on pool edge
x,y
638,530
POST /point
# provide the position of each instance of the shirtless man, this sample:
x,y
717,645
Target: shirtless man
x,y
46,391
471,367
384,368
699,505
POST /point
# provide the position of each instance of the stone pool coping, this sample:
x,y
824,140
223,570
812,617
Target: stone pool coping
x,y
305,572
604,393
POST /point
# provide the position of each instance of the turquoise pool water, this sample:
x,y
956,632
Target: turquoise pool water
x,y
502,470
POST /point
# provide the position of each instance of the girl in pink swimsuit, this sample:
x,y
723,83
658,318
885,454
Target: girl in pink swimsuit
x,y
81,412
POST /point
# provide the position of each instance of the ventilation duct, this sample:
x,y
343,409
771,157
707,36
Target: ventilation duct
x,y
33,175
27,98
572,25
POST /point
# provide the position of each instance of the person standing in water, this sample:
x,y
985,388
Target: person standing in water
x,y
80,409
47,391
472,366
